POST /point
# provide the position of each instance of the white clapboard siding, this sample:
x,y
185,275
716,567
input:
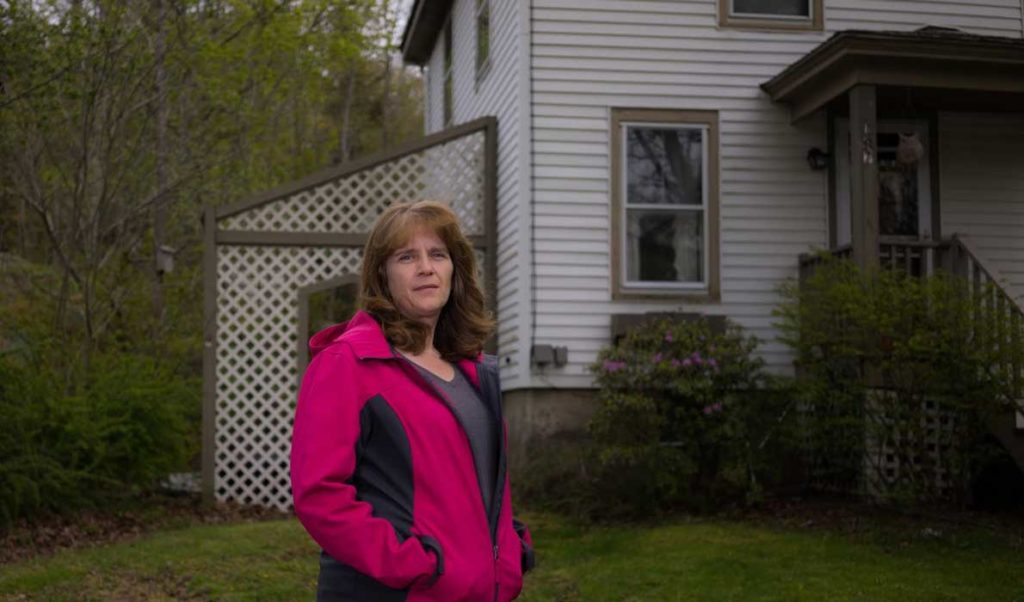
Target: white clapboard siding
x,y
987,17
585,57
496,93
981,161
589,56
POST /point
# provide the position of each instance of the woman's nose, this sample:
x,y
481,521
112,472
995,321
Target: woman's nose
x,y
424,266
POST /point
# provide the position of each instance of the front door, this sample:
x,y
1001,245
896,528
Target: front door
x,y
904,181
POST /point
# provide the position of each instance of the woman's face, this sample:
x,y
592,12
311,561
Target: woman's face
x,y
420,276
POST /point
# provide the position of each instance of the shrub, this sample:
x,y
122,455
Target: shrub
x,y
686,421
127,423
898,377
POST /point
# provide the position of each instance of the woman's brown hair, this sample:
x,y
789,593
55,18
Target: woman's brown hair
x,y
464,323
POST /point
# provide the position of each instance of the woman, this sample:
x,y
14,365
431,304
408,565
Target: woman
x,y
398,451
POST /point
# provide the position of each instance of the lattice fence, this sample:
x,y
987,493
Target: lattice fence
x,y
452,172
257,274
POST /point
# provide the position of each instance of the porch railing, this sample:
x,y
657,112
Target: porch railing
x,y
957,256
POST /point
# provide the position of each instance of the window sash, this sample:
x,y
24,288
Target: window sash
x,y
767,15
448,84
483,26
625,206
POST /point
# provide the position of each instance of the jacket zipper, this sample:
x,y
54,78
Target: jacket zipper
x,y
496,585
499,477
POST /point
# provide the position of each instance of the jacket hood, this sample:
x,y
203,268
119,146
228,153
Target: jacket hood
x,y
362,332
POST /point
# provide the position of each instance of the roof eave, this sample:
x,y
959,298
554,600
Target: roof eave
x,y
854,49
426,19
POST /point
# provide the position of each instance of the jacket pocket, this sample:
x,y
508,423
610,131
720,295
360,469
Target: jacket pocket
x,y
430,545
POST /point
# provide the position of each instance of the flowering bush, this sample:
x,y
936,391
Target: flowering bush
x,y
683,419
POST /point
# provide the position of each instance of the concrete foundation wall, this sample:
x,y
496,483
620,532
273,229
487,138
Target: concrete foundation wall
x,y
539,416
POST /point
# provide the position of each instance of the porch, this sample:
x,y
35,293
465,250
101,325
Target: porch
x,y
925,167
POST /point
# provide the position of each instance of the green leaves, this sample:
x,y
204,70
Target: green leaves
x,y
897,376
685,415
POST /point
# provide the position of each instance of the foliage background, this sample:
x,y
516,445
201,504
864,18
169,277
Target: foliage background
x,y
119,121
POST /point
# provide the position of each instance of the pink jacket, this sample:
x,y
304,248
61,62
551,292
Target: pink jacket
x,y
383,479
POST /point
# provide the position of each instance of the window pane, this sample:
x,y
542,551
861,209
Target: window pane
x,y
664,246
898,196
664,166
449,87
483,32
331,306
789,8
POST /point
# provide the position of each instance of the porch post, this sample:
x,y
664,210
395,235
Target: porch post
x,y
863,176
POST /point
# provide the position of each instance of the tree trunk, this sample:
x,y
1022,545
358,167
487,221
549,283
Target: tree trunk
x,y
346,150
160,207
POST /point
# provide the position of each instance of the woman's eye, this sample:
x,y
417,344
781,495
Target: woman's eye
x,y
440,254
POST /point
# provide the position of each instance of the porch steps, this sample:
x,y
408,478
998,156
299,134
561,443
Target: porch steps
x,y
1010,434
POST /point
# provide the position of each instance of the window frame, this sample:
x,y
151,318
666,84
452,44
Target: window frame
x,y
447,75
483,65
707,291
813,22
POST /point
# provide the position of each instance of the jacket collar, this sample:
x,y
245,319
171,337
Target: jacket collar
x,y
364,334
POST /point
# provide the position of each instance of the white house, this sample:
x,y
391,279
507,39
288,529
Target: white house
x,y
656,156
613,158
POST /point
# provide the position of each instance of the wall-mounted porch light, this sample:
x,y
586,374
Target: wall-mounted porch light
x,y
817,159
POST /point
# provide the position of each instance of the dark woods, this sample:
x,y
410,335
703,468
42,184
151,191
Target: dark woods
x,y
118,122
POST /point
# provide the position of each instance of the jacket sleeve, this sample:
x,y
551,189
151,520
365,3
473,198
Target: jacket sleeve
x,y
323,458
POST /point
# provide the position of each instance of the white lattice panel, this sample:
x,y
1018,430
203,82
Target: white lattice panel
x,y
892,455
257,318
452,172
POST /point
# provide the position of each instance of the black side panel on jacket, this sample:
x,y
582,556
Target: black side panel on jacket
x,y
490,389
383,474
341,583
383,478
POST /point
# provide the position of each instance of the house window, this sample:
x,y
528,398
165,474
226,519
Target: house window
x,y
483,36
449,88
771,14
665,203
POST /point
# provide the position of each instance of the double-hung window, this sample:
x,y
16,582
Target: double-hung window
x,y
771,14
665,203
483,37
449,85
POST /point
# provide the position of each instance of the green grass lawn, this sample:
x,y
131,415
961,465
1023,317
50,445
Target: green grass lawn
x,y
704,559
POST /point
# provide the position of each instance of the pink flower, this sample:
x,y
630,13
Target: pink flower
x,y
713,408
676,363
613,365
656,358
713,363
687,363
668,337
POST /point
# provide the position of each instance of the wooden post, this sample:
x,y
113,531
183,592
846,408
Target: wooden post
x,y
863,176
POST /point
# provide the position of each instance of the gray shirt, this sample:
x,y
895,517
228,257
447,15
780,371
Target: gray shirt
x,y
480,426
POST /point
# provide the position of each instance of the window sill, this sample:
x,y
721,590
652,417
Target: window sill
x,y
646,294
777,25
